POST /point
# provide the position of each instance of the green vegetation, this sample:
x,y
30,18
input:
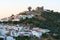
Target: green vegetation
x,y
52,22
22,38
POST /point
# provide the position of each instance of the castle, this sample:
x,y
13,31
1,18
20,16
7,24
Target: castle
x,y
37,11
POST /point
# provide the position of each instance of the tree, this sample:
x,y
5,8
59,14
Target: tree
x,y
12,15
29,8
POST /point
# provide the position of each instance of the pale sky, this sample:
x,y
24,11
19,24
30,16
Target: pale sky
x,y
9,7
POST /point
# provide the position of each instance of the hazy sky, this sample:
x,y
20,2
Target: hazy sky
x,y
8,7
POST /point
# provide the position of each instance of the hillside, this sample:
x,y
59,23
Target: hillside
x,y
47,20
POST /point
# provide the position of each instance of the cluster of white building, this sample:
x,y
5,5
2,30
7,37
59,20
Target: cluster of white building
x,y
22,17
17,17
16,30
